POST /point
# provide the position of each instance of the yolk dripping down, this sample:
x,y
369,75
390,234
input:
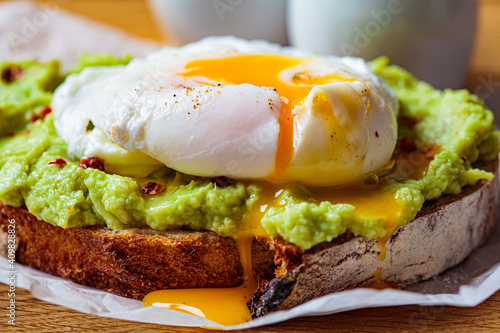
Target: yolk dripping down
x,y
227,306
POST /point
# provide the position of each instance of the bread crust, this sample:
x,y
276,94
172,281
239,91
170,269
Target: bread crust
x,y
443,234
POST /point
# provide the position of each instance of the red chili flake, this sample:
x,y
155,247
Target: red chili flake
x,y
9,135
464,159
376,134
69,207
152,188
41,114
407,145
93,163
59,162
28,132
410,122
456,133
11,73
45,111
222,181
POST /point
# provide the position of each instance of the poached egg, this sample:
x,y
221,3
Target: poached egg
x,y
229,107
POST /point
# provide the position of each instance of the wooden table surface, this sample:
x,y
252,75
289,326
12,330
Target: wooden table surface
x,y
134,17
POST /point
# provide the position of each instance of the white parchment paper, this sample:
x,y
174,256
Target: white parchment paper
x,y
64,36
48,32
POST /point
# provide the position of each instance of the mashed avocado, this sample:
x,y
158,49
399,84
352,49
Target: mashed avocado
x,y
70,196
26,86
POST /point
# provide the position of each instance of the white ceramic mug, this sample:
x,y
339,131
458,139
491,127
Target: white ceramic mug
x,y
186,21
433,39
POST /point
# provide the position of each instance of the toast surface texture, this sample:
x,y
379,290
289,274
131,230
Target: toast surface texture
x,y
134,262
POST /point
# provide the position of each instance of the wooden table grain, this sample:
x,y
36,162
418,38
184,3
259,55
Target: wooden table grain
x,y
134,17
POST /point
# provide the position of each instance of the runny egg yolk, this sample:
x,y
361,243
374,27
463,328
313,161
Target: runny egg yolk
x,y
266,70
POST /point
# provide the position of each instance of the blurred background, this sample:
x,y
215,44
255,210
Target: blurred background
x,y
450,43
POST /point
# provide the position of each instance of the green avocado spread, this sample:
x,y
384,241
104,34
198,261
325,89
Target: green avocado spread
x,y
454,128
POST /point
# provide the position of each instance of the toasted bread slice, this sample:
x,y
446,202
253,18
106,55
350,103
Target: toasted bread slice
x,y
135,262
128,263
442,235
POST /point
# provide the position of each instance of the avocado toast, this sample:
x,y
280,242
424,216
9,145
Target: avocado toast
x,y
129,241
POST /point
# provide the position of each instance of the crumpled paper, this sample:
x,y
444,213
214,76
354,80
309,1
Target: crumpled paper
x,y
47,32
468,284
